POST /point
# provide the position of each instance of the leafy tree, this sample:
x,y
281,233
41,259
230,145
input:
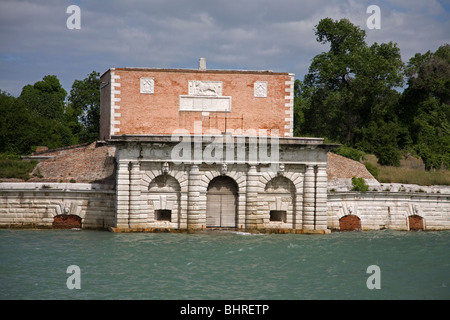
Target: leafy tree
x,y
84,106
45,98
351,87
36,117
425,106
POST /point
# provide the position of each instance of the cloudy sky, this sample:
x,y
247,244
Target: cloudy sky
x,y
273,35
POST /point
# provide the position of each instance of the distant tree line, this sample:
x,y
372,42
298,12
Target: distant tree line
x,y
44,115
352,95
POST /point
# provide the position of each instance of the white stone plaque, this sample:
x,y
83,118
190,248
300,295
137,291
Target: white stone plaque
x,y
147,85
260,89
205,88
204,104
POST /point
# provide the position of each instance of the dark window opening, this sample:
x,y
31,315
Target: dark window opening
x,y
278,215
163,215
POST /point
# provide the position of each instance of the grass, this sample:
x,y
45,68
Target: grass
x,y
405,174
388,174
15,168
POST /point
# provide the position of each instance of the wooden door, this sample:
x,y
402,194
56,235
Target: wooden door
x,y
221,203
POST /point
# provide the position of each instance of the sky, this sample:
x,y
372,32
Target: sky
x,y
35,39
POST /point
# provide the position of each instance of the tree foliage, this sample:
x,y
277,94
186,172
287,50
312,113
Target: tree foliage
x,y
350,95
41,116
84,104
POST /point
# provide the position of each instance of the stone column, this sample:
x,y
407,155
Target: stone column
x,y
309,199
321,197
193,214
122,194
251,212
135,195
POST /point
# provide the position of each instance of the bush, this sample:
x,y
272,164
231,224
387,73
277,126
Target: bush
x,y
359,185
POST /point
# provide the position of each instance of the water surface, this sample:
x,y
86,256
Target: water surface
x,y
413,265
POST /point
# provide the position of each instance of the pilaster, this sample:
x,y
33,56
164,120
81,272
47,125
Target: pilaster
x,y
252,220
309,199
122,194
193,214
135,196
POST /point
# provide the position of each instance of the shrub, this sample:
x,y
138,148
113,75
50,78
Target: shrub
x,y
359,185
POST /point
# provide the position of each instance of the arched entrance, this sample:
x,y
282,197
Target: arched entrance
x,y
164,197
221,203
415,223
67,221
349,223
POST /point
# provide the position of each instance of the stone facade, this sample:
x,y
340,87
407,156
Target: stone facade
x,y
192,151
41,204
396,210
155,191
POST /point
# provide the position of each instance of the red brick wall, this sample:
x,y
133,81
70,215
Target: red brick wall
x,y
349,223
158,113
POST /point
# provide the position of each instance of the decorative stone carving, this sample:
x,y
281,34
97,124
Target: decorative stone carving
x,y
165,168
224,169
260,89
147,85
281,169
205,88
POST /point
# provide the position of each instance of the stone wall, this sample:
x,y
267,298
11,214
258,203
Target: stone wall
x,y
389,210
35,205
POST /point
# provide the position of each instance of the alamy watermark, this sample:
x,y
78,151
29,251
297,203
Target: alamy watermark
x,y
374,21
236,146
74,280
374,281
74,20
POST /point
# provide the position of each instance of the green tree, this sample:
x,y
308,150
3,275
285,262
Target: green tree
x,y
36,117
351,86
84,106
425,106
45,98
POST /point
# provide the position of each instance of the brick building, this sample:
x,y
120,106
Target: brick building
x,y
211,149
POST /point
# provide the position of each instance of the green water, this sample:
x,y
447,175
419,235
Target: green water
x,y
413,265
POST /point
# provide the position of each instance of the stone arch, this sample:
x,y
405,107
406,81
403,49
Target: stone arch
x,y
155,170
232,172
164,201
414,218
279,202
295,177
349,223
67,215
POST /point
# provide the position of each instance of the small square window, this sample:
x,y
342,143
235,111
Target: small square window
x,y
163,215
278,215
